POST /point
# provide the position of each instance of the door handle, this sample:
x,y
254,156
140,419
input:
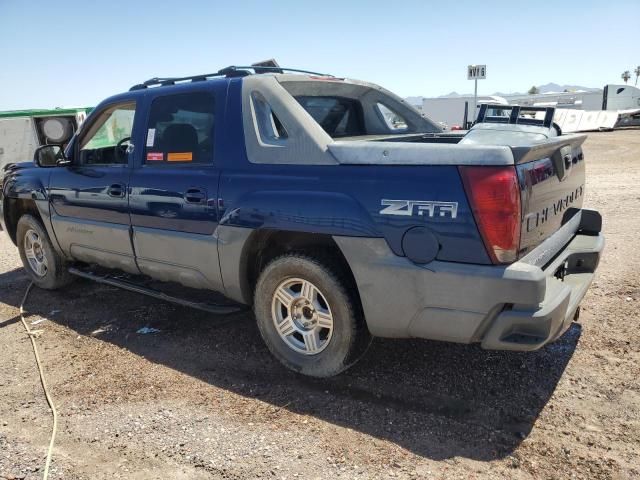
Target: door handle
x,y
195,195
116,190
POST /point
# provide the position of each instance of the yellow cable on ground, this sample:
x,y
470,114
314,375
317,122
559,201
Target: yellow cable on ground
x,y
32,335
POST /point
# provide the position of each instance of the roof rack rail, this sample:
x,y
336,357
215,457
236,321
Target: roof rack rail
x,y
514,115
229,72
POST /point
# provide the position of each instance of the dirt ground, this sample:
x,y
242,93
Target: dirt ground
x,y
204,399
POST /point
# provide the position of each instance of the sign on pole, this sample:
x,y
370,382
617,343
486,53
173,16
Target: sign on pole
x,y
475,73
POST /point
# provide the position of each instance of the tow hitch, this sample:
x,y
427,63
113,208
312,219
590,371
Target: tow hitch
x,y
562,271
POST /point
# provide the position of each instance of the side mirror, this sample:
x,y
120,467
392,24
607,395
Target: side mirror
x,y
50,156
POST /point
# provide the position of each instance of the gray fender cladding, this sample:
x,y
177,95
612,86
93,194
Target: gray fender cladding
x,y
231,243
440,300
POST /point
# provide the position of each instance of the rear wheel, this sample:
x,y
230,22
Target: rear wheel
x,y
46,268
308,317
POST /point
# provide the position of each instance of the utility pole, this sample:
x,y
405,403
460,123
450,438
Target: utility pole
x,y
475,98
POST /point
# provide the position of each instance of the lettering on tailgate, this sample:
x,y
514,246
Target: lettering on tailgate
x,y
534,219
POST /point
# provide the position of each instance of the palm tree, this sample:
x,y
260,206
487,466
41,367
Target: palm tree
x,y
625,76
637,72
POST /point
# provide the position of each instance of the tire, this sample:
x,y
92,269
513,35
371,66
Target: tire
x,y
308,317
46,268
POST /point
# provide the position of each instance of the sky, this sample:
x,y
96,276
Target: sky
x,y
76,53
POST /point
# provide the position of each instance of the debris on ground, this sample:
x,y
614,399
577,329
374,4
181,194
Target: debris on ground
x,y
100,330
146,330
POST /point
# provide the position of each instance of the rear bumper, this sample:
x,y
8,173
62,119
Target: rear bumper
x,y
521,306
529,327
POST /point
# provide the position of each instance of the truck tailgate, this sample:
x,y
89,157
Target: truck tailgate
x,y
551,178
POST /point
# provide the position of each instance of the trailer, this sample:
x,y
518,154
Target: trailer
x,y
22,131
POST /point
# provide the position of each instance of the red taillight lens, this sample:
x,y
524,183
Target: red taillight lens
x,y
495,200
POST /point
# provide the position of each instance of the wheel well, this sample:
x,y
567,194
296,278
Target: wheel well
x,y
265,245
14,208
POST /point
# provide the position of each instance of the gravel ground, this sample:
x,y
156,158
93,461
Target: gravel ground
x,y
204,399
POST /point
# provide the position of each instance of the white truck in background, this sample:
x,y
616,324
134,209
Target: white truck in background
x,y
450,111
616,105
22,131
626,100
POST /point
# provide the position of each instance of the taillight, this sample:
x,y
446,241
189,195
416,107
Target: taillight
x,y
495,200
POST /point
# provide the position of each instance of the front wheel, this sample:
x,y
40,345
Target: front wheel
x,y
308,317
46,268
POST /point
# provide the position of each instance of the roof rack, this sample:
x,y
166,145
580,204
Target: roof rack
x,y
514,115
228,72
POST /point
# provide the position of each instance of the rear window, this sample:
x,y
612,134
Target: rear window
x,y
338,116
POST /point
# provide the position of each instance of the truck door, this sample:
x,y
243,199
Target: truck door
x,y
174,186
89,204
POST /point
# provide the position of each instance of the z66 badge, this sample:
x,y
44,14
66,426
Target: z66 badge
x,y
419,207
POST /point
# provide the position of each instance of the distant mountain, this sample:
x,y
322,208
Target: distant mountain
x,y
547,88
417,100
414,100
554,87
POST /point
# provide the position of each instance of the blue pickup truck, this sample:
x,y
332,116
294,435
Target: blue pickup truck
x,y
331,206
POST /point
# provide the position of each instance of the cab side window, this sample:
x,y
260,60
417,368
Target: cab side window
x,y
181,129
393,120
108,139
